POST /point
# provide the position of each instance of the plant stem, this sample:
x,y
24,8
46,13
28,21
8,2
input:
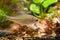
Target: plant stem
x,y
36,15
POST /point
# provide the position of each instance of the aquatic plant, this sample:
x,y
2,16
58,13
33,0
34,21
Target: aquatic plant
x,y
40,7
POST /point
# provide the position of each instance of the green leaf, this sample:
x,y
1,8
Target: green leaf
x,y
25,0
3,21
6,10
14,1
34,8
38,1
48,2
1,13
51,9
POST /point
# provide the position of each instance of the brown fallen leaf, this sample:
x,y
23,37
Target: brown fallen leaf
x,y
23,19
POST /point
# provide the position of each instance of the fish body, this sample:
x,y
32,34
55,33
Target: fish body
x,y
23,19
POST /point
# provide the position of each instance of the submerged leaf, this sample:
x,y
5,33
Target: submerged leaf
x,y
1,15
1,12
51,9
48,2
34,8
38,1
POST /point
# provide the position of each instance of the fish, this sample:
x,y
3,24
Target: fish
x,y
22,19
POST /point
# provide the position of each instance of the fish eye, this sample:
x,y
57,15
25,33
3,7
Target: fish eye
x,y
36,19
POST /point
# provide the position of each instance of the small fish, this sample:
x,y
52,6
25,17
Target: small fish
x,y
23,19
